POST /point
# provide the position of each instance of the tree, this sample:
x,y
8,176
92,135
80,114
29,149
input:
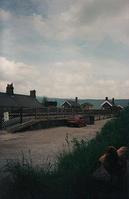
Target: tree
x,y
44,101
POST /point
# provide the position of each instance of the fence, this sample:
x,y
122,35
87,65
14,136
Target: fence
x,y
10,117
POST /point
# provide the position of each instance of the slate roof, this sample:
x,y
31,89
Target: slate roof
x,y
72,103
6,100
18,100
108,102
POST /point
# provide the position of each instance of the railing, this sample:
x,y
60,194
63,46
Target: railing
x,y
21,115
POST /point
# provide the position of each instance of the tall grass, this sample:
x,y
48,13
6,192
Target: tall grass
x,y
71,176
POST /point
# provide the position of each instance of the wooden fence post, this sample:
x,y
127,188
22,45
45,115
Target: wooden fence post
x,y
1,118
35,113
21,115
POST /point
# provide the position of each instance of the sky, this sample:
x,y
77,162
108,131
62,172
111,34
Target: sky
x,y
65,48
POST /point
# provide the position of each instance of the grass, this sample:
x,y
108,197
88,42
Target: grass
x,y
71,176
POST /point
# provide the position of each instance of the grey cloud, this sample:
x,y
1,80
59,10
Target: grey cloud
x,y
24,7
42,7
90,11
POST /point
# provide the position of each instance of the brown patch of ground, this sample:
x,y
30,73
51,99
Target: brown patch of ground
x,y
44,144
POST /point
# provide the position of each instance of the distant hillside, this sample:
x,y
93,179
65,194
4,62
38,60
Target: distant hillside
x,y
95,102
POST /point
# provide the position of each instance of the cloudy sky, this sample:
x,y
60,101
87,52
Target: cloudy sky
x,y
65,48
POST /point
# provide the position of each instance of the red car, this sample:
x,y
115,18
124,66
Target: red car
x,y
77,121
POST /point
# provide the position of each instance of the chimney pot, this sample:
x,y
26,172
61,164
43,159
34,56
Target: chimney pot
x,y
10,89
76,100
33,93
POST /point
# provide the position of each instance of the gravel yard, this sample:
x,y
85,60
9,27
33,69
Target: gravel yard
x,y
43,144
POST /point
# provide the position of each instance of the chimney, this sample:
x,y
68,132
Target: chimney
x,y
33,93
10,89
76,100
113,101
106,98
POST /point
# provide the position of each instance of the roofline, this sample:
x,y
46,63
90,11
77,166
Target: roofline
x,y
67,102
120,106
106,102
27,95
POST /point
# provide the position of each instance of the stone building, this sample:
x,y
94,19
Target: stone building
x,y
10,100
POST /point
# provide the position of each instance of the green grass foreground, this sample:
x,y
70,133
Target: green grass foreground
x,y
71,176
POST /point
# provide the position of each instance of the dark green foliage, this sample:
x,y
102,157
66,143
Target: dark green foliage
x,y
29,181
70,178
85,153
